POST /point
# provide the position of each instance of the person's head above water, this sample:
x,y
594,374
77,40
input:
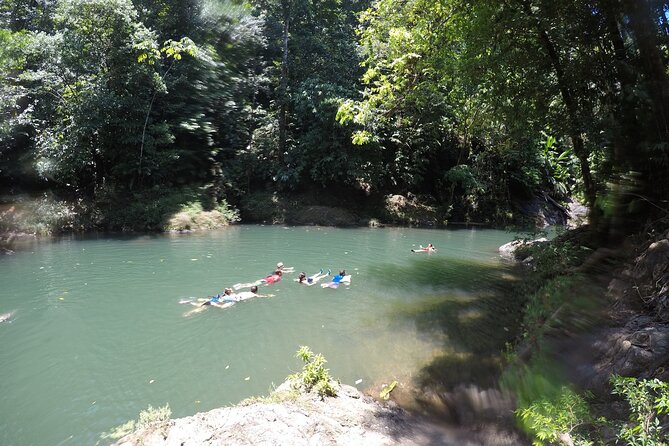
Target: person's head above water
x,y
342,272
278,272
254,289
301,277
228,291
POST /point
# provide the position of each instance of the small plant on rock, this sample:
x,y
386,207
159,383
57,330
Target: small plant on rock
x,y
314,375
152,418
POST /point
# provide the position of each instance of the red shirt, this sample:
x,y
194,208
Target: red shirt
x,y
273,278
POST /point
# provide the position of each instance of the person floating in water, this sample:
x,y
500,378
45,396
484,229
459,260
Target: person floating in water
x,y
272,278
311,280
284,269
219,300
429,248
337,280
244,295
225,300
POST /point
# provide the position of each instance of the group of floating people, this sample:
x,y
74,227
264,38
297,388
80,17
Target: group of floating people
x,y
231,296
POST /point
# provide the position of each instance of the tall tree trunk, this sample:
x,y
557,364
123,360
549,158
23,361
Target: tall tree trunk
x,y
635,178
626,137
569,100
644,28
283,108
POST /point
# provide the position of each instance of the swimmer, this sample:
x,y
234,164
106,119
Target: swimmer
x,y
244,295
272,278
339,277
284,269
7,317
219,300
429,248
338,280
225,300
311,280
226,297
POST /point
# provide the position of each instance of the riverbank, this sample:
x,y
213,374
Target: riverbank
x,y
187,210
299,418
594,314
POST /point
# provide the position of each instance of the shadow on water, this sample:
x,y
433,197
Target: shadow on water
x,y
440,273
469,306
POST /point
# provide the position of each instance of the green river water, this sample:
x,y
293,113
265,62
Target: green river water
x,y
97,333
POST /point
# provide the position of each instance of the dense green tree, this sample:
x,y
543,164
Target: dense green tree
x,y
474,104
588,74
88,90
313,64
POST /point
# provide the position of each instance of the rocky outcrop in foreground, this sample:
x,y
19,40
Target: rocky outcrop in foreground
x,y
636,341
291,418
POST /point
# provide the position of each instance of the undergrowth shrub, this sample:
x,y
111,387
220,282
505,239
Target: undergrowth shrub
x,y
648,399
314,375
151,418
557,419
45,215
154,209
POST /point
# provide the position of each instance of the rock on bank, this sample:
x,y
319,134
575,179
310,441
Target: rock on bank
x,y
290,418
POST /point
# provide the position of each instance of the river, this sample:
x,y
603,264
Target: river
x,y
98,334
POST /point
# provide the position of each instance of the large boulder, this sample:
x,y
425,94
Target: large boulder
x,y
640,349
511,250
637,343
542,210
578,214
287,418
411,210
651,278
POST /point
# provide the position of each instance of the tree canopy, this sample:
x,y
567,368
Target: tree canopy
x,y
473,104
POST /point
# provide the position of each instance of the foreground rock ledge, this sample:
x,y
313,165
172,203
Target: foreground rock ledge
x,y
289,418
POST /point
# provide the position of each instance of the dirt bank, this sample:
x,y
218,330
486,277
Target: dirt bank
x,y
633,340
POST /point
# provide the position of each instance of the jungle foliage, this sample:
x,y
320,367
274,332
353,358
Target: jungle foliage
x,y
477,105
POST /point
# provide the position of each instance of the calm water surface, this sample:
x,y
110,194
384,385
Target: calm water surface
x,y
98,334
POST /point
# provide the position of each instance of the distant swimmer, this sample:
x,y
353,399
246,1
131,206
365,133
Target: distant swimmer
x,y
7,317
429,248
245,295
337,280
272,278
311,280
284,269
219,300
225,300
